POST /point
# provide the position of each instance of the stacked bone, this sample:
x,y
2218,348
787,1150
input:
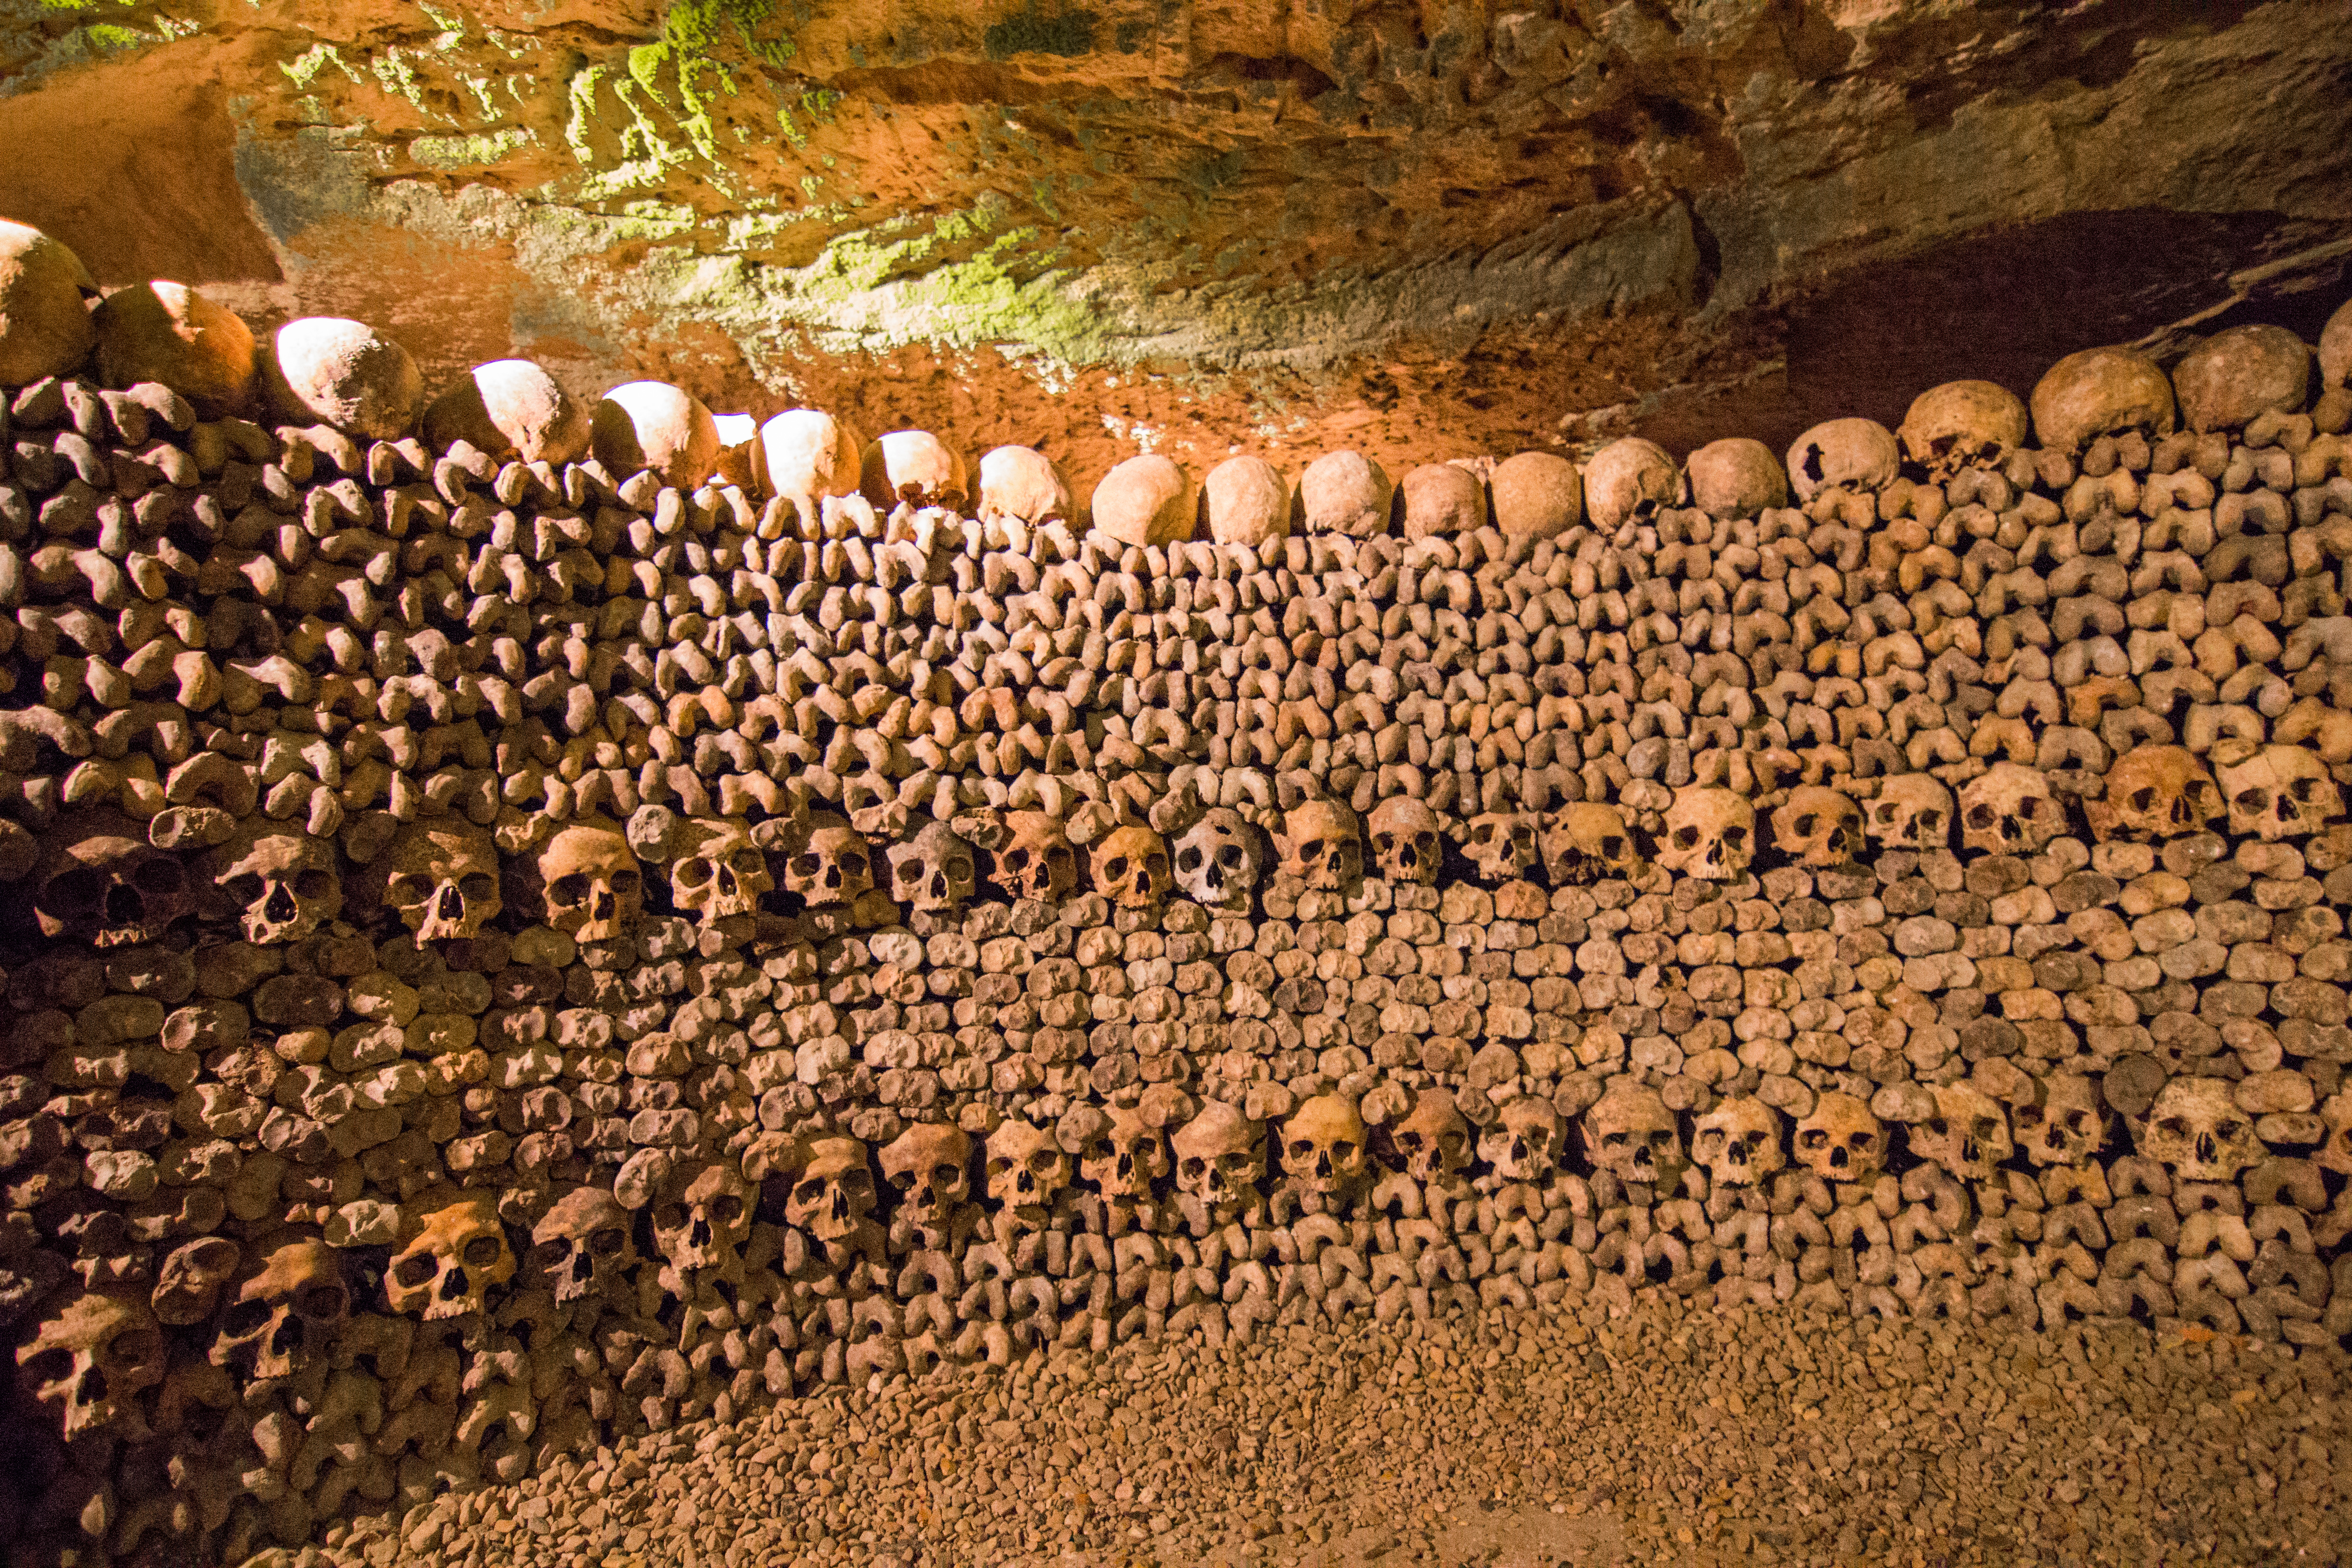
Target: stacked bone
x,y
578,921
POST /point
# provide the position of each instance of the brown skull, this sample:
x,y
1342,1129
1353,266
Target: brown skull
x,y
102,885
1325,1149
1320,848
834,866
833,1191
285,879
2155,792
1818,827
1588,841
932,870
287,1312
1841,1140
1220,1159
930,1164
1025,1169
2010,809
1035,859
2281,792
1218,861
1405,842
707,1221
90,1357
1913,811
1432,1140
595,892
2064,1123
1631,1134
584,1246
1127,1157
1710,833
716,871
1502,846
457,1253
1130,867
1523,1144
188,1286
442,876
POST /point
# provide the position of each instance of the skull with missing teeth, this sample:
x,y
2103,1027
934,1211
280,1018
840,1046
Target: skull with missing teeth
x,y
2281,792
932,870
1818,827
2155,792
1840,1139
1710,833
716,871
595,892
442,876
2196,1131
2064,1124
1912,810
1968,1134
1220,1159
1325,1148
833,1191
1587,842
2010,809
1126,1157
1406,842
834,866
1631,1134
1501,845
1320,848
1738,1141
584,1245
103,887
90,1359
1217,860
1025,1169
1129,867
1523,1144
285,879
287,1312
457,1253
1034,859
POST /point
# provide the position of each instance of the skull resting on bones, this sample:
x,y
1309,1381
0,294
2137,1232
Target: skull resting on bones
x,y
458,1254
2063,1124
1127,1157
92,1353
2010,809
2100,392
2280,792
1025,1169
1524,1143
1129,867
595,892
1710,833
1035,860
1406,842
704,1224
1818,827
2155,792
1913,811
1220,1159
834,866
1502,846
1961,425
716,871
1320,848
1588,841
287,1312
1857,455
1218,861
284,880
1631,1134
1325,1148
930,1164
932,870
2196,1131
1431,1141
188,1284
584,1246
1841,1140
1738,1141
1967,1134
103,886
442,876
833,1191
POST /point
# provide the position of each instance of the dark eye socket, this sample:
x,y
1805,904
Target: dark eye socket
x,y
626,883
483,1250
693,871
321,1301
853,865
728,1207
476,887
157,877
416,1269
568,890
313,884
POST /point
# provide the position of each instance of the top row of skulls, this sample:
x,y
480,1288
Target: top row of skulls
x,y
347,374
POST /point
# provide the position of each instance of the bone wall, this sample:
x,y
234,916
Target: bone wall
x,y
508,953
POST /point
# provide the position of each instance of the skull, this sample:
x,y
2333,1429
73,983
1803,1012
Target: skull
x,y
1710,833
1628,480
1587,842
707,1221
931,870
1736,477
2100,392
1818,827
716,871
1740,1141
1841,1140
1025,1169
833,1191
2241,374
1962,425
1632,1135
92,1356
103,887
1036,861
287,1312
1405,845
1913,811
1857,455
834,866
1324,1147
2155,792
1967,1135
2197,1130
188,1286
584,1246
2063,1124
442,876
1524,1143
1127,1158
913,466
1502,846
458,1252
1218,861
2008,809
1433,1140
1220,1157
1319,846
930,1165
1129,867
2335,1153
284,877
2280,792
595,890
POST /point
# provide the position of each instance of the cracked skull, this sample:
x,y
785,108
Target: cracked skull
x,y
1035,860
1962,425
1631,1134
284,879
2064,1123
595,890
287,1313
2155,792
2196,1131
933,869
834,866
1738,1141
1217,860
1710,833
1501,845
1967,1134
1841,1140
1856,455
457,1254
716,871
442,876
1524,1143
930,1164
1127,1157
1587,842
1406,842
833,1191
704,1224
1220,1159
2010,809
1129,867
583,1246
1025,1169
1321,847
2281,792
1325,1147
103,887
1432,1140
1913,811
1818,827
90,1358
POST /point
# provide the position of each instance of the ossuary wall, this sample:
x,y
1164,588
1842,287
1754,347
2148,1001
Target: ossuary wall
x,y
524,936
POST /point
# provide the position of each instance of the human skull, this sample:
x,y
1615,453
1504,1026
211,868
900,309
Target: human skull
x,y
334,371
1967,1134
1431,1141
933,869
2336,1112
1218,859
1962,425
1319,846
1913,811
2241,374
1736,477
2010,809
707,1219
1021,483
1025,1169
584,1246
913,467
1840,1139
1632,1135
1524,1143
833,1191
287,1312
1586,842
834,866
1220,1158
1856,455
1501,845
285,879
1126,1157
458,1251
2155,792
2196,1131
1738,1141
103,887
1628,480
442,876
91,1356
716,871
1710,833
1129,867
1818,827
595,892
1325,1149
1035,860
2064,1124
2280,792
188,1284
2100,392
1405,845
930,1164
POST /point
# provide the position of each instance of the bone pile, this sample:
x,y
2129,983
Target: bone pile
x,y
536,923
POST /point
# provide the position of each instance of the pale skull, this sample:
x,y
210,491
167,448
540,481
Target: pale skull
x,y
595,892
1967,1134
1432,1140
717,871
441,876
458,1252
834,866
1586,842
2064,1124
1962,425
1628,480
1710,833
1325,1148
1818,827
1321,847
1913,811
704,1221
1025,1169
101,887
1738,1141
1631,1134
1501,845
930,1164
1220,1159
1840,1139
1217,859
287,1313
2196,1131
1854,455
1406,842
2155,792
833,1191
188,1284
2010,809
284,879
2281,792
90,1358
1524,1143
584,1245
1035,860
933,869
1126,1157
1129,867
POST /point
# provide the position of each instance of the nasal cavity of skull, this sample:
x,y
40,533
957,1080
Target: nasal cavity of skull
x,y
1841,1153
449,898
848,863
572,891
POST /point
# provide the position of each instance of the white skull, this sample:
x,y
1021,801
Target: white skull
x,y
1325,1148
2196,1130
716,871
1962,425
1628,480
1818,827
1586,842
584,1245
930,1164
833,1190
458,1252
834,866
1738,1141
90,1358
1710,833
1502,846
442,876
934,869
287,1313
1631,1134
704,1219
1320,848
2064,1123
595,892
1127,1157
2155,792
2281,792
1841,1140
1220,1159
1129,867
2010,809
1432,1140
285,879
1967,1134
1913,811
1524,1143
1025,1169
1406,842
1218,861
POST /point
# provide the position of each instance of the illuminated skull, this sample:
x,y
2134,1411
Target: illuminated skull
x,y
1631,1134
1967,1134
1524,1143
834,866
2196,1130
1035,860
1738,1141
1913,811
833,1191
285,879
2281,792
716,871
442,876
703,1225
1129,867
1710,833
1025,1169
1218,861
1325,1149
1818,827
287,1313
1841,1140
2064,1123
2155,792
1320,848
1405,844
1502,846
1587,842
1220,1159
595,892
457,1253
930,1164
1127,1157
584,1246
91,1356
932,870
2010,809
